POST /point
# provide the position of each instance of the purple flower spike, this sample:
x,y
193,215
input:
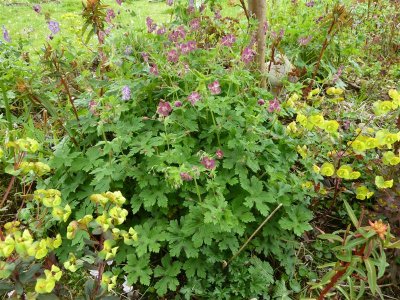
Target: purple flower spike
x,y
164,108
261,102
170,2
119,2
248,55
37,8
186,177
274,106
228,40
6,35
154,70
178,104
151,26
208,163
126,93
194,97
173,56
214,88
54,27
219,153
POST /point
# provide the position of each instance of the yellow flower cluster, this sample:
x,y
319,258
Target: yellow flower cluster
x,y
344,172
26,145
317,120
383,107
23,244
51,198
38,168
111,216
47,284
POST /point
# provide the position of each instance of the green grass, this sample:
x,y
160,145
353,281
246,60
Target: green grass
x,y
21,20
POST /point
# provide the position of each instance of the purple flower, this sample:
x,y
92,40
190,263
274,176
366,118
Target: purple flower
x,y
214,88
151,26
192,45
208,163
37,8
145,56
54,27
178,104
110,14
248,55
274,106
184,48
164,108
101,36
154,70
161,30
119,2
219,153
126,93
338,74
261,102
128,50
217,14
194,97
310,4
170,2
228,40
190,9
176,34
92,107
173,56
303,41
194,24
186,177
6,35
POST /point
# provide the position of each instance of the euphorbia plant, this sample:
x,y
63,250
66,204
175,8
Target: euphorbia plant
x,y
360,257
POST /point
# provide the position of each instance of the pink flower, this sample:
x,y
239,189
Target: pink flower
x,y
248,55
208,163
92,107
214,88
219,153
110,14
173,56
170,2
184,48
274,106
194,97
228,40
154,70
261,102
303,41
164,108
178,104
145,56
186,176
119,2
161,30
217,14
192,45
194,24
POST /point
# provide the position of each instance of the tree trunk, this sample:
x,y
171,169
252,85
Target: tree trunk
x,y
258,9
251,7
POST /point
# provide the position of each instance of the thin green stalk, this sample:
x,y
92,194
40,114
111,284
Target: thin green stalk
x,y
7,106
197,189
215,124
166,134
